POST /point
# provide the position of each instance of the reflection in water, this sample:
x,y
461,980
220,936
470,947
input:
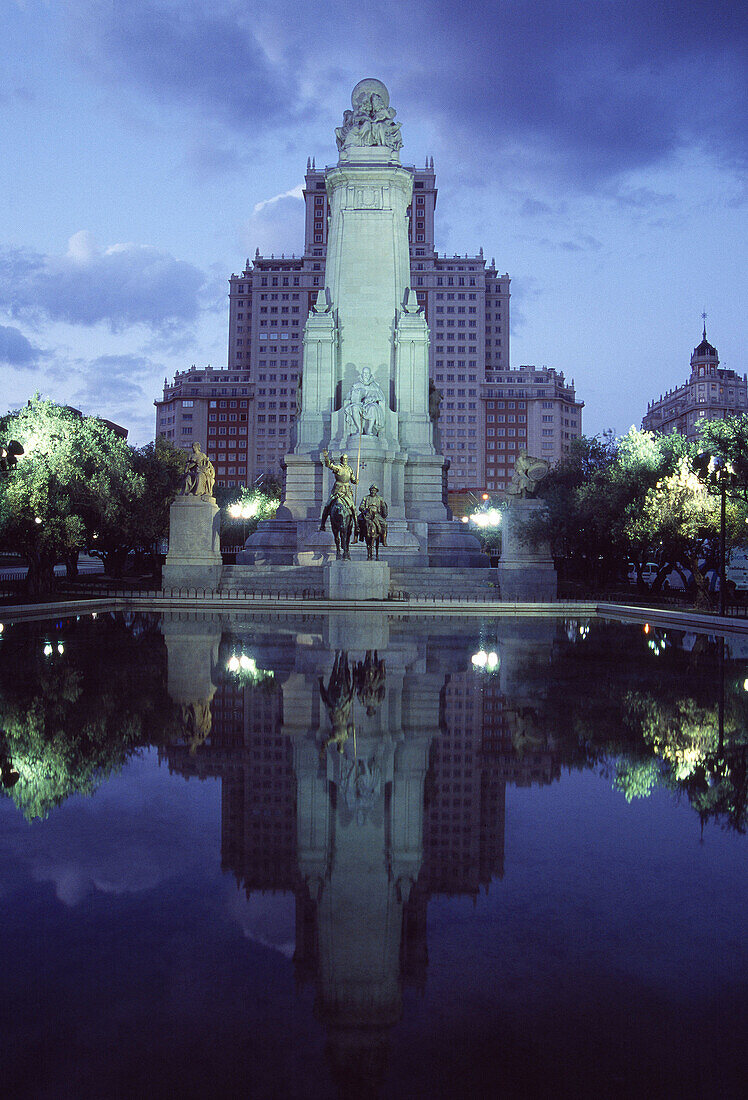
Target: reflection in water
x,y
325,793
364,763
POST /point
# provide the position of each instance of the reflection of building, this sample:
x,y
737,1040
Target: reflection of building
x,y
711,393
249,753
407,802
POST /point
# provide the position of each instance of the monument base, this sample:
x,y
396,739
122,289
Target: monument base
x,y
526,570
357,580
284,540
194,557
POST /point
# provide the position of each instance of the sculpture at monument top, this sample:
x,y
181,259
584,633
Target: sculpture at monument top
x,y
372,120
199,475
363,408
527,476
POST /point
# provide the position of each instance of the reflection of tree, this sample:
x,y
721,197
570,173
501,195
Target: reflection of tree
x,y
647,713
70,719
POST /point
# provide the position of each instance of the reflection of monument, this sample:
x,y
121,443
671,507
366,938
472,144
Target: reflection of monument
x,y
365,781
365,370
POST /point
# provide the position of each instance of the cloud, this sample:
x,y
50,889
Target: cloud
x,y
600,88
15,349
120,286
587,88
277,224
197,54
120,387
296,192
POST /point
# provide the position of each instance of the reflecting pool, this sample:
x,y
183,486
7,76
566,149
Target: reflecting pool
x,y
375,855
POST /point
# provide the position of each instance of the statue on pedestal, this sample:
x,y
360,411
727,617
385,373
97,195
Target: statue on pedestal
x,y
372,521
340,507
527,476
372,120
363,408
435,400
199,475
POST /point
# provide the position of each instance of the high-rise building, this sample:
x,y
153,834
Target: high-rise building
x,y
243,415
532,408
711,393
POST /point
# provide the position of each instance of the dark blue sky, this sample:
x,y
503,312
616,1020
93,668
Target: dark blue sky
x,y
596,149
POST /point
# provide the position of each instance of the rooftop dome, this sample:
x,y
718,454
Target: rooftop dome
x,y
705,348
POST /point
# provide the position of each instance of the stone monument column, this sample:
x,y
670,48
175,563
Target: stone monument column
x,y
194,556
365,377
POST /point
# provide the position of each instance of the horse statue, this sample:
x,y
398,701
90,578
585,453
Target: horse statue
x,y
372,522
342,521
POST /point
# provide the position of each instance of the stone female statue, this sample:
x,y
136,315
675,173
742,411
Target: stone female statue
x,y
199,475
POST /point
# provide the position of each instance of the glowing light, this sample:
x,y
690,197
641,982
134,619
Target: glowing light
x,y
48,649
489,661
646,628
233,664
490,518
235,511
745,685
60,647
37,519
2,627
485,496
465,519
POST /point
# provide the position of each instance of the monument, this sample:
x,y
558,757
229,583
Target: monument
x,y
194,557
365,390
526,568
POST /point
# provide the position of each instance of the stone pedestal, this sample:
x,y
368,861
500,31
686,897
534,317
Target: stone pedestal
x,y
194,557
357,580
366,332
526,571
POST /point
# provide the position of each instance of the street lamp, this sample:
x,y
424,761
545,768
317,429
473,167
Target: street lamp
x,y
723,474
9,455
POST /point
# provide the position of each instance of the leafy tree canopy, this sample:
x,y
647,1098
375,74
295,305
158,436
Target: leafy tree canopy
x,y
79,486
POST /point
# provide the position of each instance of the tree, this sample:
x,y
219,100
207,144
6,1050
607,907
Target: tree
x,y
71,483
138,515
76,703
683,516
594,495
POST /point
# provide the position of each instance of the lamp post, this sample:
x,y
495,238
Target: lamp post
x,y
723,474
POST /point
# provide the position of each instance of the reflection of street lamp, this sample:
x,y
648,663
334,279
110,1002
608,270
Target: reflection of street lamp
x,y
720,472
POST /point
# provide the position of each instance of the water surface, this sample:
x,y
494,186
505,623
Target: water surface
x,y
372,857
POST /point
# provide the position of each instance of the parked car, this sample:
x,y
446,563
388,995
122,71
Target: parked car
x,y
649,572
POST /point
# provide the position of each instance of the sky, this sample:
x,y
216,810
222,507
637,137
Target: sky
x,y
595,148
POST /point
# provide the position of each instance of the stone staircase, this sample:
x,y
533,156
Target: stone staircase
x,y
291,580
298,581
444,583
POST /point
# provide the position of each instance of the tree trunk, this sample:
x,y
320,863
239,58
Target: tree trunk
x,y
40,578
71,565
704,601
114,561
